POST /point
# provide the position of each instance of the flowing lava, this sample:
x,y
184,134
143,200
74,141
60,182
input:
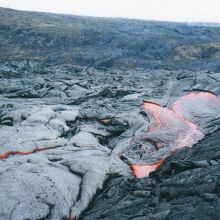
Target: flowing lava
x,y
183,124
172,126
189,99
70,215
141,171
154,109
11,153
106,121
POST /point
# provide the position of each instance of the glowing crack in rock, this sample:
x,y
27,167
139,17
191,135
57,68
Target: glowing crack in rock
x,y
106,121
12,153
70,215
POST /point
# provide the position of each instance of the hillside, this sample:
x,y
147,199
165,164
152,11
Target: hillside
x,y
105,42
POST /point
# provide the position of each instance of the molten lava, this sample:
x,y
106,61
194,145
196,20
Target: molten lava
x,y
141,171
169,122
190,98
106,121
154,109
11,153
183,125
70,215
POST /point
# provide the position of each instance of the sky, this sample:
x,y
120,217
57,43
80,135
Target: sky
x,y
164,10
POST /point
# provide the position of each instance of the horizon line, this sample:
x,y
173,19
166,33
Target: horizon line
x,y
125,18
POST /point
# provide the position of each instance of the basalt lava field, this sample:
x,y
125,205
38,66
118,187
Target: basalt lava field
x,y
84,135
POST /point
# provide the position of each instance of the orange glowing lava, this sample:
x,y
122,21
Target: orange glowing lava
x,y
169,118
154,109
177,122
11,153
192,96
141,171
70,215
106,121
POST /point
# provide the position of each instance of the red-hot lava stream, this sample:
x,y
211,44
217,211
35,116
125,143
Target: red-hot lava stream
x,y
141,171
12,153
156,111
70,215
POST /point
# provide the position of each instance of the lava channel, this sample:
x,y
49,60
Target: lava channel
x,y
12,153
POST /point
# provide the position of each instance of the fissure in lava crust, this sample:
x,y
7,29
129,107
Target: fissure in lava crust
x,y
12,153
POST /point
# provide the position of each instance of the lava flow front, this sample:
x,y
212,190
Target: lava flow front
x,y
181,126
141,171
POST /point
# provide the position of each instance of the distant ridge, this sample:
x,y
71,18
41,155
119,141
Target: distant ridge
x,y
108,42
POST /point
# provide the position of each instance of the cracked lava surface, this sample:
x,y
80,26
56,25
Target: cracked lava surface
x,y
61,143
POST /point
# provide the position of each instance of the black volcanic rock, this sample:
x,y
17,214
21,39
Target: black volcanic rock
x,y
176,191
